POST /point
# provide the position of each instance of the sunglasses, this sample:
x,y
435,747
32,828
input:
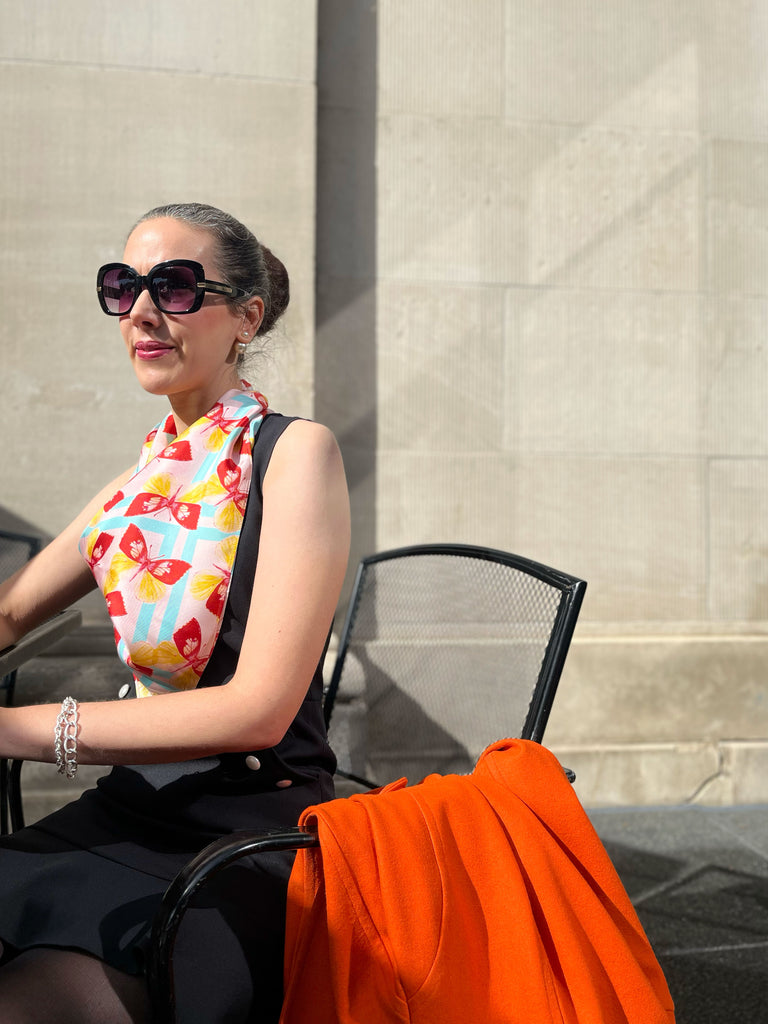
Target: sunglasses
x,y
175,286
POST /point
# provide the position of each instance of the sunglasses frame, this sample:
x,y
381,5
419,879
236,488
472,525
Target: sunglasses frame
x,y
143,281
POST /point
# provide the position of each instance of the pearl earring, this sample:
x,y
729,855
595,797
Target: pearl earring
x,y
240,347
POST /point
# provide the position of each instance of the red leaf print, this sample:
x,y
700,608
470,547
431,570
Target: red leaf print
x,y
145,504
215,603
115,603
179,451
188,639
167,570
185,513
100,548
229,474
113,501
133,544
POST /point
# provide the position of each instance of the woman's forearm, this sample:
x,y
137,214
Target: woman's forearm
x,y
160,728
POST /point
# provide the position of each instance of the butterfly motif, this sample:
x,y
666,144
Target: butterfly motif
x,y
181,661
160,497
97,546
219,426
213,587
231,505
150,576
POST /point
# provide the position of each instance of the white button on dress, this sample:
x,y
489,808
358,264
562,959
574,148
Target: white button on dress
x,y
253,763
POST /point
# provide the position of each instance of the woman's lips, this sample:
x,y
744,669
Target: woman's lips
x,y
151,349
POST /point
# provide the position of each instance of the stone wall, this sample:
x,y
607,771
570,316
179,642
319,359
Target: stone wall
x,y
538,316
106,112
571,273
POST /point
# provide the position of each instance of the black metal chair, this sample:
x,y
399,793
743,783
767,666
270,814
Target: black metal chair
x,y
445,648
15,550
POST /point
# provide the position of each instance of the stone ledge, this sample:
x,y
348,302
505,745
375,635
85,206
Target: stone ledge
x,y
709,774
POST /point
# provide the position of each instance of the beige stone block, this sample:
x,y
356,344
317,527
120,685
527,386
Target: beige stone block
x,y
616,209
738,573
738,214
646,64
65,375
733,73
608,372
641,774
664,689
634,529
624,65
274,39
454,198
443,57
496,202
746,764
440,369
709,774
734,377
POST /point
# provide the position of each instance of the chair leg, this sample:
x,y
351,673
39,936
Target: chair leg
x,y
14,796
3,796
214,858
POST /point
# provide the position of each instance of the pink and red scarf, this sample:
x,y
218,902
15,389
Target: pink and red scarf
x,y
162,549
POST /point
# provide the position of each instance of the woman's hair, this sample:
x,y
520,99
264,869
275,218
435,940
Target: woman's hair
x,y
243,261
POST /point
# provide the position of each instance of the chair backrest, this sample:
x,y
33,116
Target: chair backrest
x,y
15,550
446,648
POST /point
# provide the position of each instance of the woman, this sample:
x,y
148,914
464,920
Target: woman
x,y
173,544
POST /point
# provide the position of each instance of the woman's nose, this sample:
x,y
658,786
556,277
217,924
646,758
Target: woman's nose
x,y
144,308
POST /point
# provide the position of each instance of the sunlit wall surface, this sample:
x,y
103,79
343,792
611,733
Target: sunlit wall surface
x,y
529,249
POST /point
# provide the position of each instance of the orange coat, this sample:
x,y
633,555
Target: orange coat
x,y
483,898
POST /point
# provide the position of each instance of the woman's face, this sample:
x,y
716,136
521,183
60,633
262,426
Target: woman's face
x,y
191,357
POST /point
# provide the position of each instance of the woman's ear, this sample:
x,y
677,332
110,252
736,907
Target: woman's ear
x,y
253,315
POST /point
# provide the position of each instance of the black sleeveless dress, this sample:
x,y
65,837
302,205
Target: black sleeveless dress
x,y
90,876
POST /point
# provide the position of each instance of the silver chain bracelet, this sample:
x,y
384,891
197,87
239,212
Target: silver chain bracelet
x,y
65,738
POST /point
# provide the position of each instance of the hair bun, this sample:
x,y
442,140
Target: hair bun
x,y
279,290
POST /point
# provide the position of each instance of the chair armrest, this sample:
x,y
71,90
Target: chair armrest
x,y
39,640
212,859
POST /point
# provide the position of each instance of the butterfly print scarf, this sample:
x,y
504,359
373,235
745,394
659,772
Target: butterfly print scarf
x,y
162,549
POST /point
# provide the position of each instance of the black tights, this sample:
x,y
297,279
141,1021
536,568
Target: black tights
x,y
43,985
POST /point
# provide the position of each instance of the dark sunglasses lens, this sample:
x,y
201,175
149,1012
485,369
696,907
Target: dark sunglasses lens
x,y
118,289
174,289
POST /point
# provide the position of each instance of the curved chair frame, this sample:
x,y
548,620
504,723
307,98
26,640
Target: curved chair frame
x,y
229,849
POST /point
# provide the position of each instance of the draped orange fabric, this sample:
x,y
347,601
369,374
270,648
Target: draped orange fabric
x,y
486,897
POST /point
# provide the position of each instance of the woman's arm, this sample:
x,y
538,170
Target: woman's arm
x,y
54,578
303,550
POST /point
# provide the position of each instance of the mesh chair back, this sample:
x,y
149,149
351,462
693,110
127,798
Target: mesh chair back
x,y
15,550
445,649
